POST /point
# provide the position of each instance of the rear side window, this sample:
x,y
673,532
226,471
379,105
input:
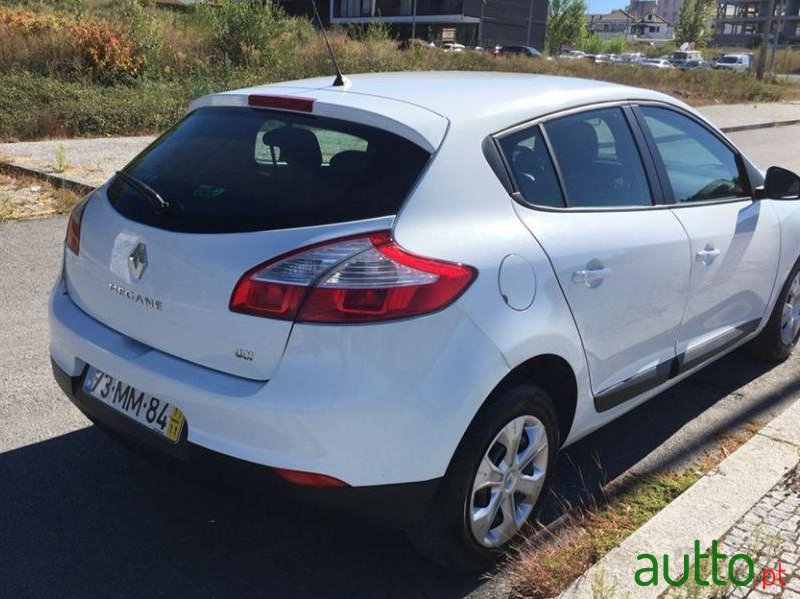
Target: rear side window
x,y
700,167
530,164
231,169
599,161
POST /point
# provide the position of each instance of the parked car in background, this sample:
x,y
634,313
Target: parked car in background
x,y
453,47
631,57
735,62
695,65
277,288
683,56
572,55
529,51
656,63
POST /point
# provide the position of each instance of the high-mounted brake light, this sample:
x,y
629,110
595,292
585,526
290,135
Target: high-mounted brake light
x,y
73,239
359,279
281,102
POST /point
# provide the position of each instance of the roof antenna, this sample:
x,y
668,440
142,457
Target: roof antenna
x,y
340,79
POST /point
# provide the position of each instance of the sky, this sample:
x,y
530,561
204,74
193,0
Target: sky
x,y
604,6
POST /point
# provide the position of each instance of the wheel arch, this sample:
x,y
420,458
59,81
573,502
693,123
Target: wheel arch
x,y
556,376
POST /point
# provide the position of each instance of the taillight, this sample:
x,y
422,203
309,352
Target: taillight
x,y
309,479
73,239
350,280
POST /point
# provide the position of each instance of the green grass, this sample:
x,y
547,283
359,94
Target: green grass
x,y
35,107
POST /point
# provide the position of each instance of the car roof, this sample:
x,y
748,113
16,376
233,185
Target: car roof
x,y
483,102
466,95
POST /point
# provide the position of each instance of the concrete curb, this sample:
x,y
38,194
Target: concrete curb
x,y
770,125
55,180
705,512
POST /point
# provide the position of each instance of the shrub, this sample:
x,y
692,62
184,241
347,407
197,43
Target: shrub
x,y
58,44
596,45
249,34
107,54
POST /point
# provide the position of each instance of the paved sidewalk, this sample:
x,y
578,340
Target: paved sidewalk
x,y
741,117
92,161
729,505
770,534
89,161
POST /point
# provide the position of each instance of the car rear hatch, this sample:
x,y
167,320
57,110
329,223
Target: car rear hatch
x,y
244,185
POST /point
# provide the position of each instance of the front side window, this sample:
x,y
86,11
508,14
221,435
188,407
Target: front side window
x,y
530,164
700,167
599,161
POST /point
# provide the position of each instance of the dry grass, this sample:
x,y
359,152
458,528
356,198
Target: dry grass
x,y
544,569
546,564
27,197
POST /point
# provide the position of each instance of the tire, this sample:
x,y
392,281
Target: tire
x,y
776,342
445,534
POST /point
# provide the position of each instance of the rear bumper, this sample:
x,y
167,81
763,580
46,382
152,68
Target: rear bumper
x,y
397,505
369,405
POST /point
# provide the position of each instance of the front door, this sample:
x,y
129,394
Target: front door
x,y
735,241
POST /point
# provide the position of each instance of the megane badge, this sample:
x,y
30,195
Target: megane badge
x,y
137,261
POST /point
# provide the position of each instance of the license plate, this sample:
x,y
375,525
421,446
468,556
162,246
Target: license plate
x,y
156,414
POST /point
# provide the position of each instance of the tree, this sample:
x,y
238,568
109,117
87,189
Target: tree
x,y
566,24
694,21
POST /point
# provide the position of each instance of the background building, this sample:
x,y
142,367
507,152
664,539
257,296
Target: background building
x,y
614,24
470,22
651,28
743,22
669,10
639,22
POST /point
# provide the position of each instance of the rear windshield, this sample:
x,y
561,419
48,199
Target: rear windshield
x,y
231,169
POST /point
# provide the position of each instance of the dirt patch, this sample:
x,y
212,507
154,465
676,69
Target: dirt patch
x,y
23,197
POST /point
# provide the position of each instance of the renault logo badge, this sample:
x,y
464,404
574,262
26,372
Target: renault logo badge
x,y
137,261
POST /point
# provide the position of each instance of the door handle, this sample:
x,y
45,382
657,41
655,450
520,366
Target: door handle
x,y
591,277
707,255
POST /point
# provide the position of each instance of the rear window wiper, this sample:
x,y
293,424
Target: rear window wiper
x,y
160,205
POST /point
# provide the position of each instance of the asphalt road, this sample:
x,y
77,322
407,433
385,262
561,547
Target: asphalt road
x,y
82,517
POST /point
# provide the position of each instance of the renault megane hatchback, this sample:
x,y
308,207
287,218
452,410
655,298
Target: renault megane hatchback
x,y
405,294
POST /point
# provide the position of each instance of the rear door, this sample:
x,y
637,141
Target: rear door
x,y
245,185
735,241
623,263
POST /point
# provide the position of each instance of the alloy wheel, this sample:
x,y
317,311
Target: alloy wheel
x,y
790,319
509,480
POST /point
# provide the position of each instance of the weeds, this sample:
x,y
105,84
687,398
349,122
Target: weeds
x,y
544,569
60,160
28,197
6,208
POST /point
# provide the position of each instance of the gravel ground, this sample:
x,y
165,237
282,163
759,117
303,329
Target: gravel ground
x,y
91,161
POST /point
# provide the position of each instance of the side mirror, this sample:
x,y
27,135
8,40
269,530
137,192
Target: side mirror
x,y
781,184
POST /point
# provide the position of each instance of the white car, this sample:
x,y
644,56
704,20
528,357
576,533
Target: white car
x,y
734,62
374,297
453,47
656,63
